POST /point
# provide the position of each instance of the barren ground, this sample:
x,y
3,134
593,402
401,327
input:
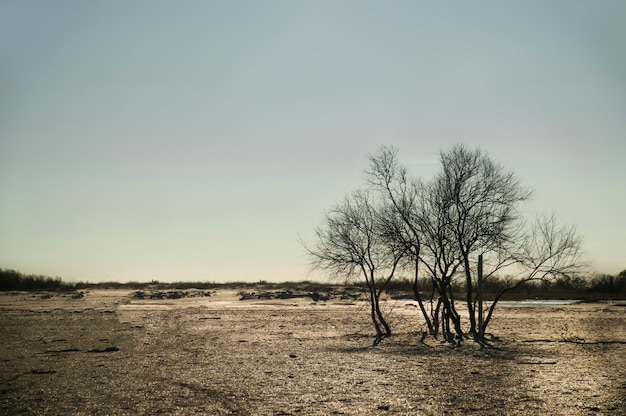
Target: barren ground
x,y
110,352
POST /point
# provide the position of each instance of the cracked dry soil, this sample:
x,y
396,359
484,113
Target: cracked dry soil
x,y
109,354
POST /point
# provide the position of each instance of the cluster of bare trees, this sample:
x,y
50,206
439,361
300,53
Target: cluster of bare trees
x,y
465,223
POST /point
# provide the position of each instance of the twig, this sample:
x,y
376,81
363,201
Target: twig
x,y
537,362
572,341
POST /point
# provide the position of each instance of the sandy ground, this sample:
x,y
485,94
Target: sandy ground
x,y
110,353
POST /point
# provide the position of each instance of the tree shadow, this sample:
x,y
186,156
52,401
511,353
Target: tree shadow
x,y
489,377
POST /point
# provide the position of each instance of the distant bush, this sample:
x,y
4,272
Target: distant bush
x,y
14,280
607,284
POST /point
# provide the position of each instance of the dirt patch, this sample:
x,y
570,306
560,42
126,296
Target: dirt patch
x,y
169,294
110,353
315,296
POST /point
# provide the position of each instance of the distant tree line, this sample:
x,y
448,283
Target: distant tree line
x,y
598,286
587,287
14,280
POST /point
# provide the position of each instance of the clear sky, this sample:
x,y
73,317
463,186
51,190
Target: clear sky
x,y
198,140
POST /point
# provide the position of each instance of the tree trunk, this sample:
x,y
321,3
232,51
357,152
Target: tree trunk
x,y
372,298
435,314
493,305
448,313
468,290
481,326
381,319
416,292
454,315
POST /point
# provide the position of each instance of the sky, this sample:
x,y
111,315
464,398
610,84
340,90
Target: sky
x,y
201,140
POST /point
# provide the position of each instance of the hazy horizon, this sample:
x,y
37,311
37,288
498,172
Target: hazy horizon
x,y
200,140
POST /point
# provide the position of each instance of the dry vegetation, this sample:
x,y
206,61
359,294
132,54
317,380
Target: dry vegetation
x,y
115,352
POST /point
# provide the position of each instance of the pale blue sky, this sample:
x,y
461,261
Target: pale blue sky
x,y
197,140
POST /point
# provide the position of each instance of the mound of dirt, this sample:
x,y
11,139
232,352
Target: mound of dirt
x,y
317,296
170,294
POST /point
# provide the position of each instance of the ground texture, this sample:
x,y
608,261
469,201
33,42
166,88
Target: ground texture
x,y
119,352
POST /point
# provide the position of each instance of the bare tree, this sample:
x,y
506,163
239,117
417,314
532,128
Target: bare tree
x,y
440,258
401,193
478,207
354,241
471,209
547,250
